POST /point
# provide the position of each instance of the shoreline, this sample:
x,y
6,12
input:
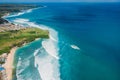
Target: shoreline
x,y
9,63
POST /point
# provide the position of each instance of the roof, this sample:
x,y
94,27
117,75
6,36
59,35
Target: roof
x,y
2,68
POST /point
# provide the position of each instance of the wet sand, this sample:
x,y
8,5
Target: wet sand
x,y
9,63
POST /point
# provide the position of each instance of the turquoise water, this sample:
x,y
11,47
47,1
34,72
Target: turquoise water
x,y
84,42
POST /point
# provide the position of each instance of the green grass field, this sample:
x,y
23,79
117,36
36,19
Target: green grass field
x,y
9,39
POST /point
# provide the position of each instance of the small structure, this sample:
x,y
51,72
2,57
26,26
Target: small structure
x,y
3,58
1,73
1,68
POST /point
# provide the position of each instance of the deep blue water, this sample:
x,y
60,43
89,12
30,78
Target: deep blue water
x,y
88,40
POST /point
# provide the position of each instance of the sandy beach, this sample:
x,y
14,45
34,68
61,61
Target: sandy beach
x,y
9,63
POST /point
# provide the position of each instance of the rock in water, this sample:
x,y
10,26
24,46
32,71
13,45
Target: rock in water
x,y
2,21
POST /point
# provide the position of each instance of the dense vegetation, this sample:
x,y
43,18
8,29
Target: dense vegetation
x,y
13,8
3,21
8,8
9,39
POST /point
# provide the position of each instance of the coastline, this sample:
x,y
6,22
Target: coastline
x,y
9,63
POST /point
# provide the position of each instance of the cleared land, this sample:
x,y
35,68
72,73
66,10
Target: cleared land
x,y
12,38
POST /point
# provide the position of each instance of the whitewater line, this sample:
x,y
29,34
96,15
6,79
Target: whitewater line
x,y
20,13
51,48
51,60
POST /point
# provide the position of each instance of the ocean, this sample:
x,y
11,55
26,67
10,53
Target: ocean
x,y
84,42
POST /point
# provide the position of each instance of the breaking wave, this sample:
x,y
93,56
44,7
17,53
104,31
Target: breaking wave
x,y
75,47
20,13
46,57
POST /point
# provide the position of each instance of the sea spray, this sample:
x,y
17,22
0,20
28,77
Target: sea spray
x,y
26,70
94,30
20,13
48,64
75,47
46,57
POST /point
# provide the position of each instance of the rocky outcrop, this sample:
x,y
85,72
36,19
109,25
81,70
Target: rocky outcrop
x,y
2,21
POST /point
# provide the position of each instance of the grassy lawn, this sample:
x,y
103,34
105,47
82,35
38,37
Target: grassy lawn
x,y
10,39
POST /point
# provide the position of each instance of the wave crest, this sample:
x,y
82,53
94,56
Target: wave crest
x,y
75,47
20,13
46,57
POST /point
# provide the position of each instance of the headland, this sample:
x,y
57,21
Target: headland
x,y
13,36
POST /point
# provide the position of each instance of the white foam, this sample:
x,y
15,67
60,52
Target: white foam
x,y
32,24
20,68
20,21
75,47
20,13
35,54
36,51
14,15
47,65
50,48
29,10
